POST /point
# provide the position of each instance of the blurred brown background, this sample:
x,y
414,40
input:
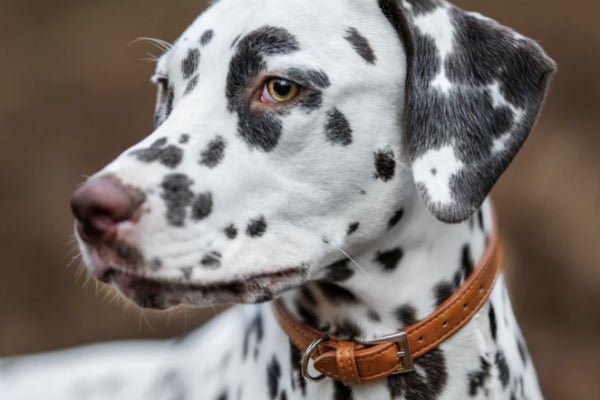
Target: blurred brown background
x,y
74,94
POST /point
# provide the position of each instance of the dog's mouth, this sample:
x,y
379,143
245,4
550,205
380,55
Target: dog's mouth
x,y
156,293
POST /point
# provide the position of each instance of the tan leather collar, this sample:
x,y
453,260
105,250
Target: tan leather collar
x,y
356,362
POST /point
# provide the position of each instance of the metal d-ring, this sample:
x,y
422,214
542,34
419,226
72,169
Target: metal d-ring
x,y
306,359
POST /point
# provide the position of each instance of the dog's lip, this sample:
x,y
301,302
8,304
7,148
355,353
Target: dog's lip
x,y
259,286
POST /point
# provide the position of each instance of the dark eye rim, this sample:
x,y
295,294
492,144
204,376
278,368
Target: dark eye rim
x,y
262,82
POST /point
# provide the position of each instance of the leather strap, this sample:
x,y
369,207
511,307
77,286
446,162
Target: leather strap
x,y
356,362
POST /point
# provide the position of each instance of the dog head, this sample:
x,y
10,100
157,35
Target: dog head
x,y
286,131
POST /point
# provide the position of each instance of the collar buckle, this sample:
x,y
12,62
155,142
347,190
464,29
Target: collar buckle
x,y
404,353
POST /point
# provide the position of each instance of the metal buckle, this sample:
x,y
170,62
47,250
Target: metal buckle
x,y
306,359
404,353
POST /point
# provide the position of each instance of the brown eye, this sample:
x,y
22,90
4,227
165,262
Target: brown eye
x,y
279,90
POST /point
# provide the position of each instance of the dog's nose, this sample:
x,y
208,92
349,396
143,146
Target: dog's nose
x,y
100,204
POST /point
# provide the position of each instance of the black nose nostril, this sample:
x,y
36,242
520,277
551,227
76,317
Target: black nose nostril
x,y
100,204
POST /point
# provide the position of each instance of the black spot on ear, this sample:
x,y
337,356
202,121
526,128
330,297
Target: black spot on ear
x,y
190,63
207,37
385,164
257,227
191,85
177,196
442,292
341,391
335,293
467,263
353,227
211,260
202,206
337,128
259,129
389,259
231,231
339,271
493,322
184,139
479,378
214,152
426,383
361,45
395,218
273,376
406,315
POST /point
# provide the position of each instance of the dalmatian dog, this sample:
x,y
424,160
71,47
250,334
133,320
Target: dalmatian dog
x,y
334,154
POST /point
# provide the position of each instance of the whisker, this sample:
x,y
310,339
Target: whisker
x,y
356,264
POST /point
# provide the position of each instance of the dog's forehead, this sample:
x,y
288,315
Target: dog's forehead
x,y
312,23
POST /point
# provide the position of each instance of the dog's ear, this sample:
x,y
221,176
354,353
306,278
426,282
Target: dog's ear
x,y
474,89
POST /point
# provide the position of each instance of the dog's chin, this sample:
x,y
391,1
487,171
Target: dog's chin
x,y
159,294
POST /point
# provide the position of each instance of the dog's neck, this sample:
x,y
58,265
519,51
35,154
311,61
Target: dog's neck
x,y
399,279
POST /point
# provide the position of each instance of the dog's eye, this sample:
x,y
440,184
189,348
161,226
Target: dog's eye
x,y
279,90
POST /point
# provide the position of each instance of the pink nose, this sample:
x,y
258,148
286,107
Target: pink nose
x,y
100,204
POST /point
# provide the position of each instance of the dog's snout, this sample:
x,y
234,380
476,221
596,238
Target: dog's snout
x,y
100,204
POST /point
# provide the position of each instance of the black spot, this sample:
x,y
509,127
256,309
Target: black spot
x,y
395,218
361,45
341,391
222,396
309,77
522,350
190,63
155,264
255,327
503,370
191,85
493,322
406,315
373,315
467,262
347,329
337,128
202,206
480,220
307,296
259,129
307,316
478,379
257,227
385,164
187,272
339,271
214,153
442,292
231,232
335,293
273,376
169,156
170,100
426,382
211,260
207,37
353,227
389,259
177,196
283,395
184,139
296,376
